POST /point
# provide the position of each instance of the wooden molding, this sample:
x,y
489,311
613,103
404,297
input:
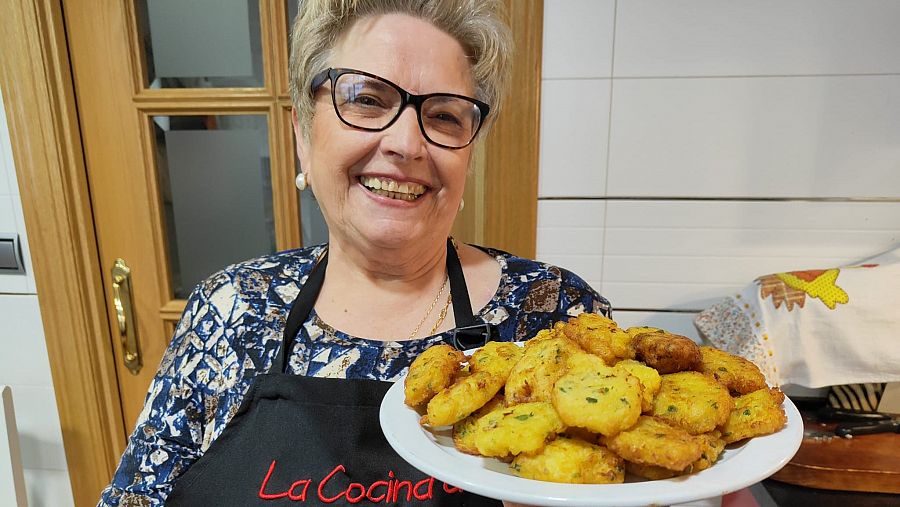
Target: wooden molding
x,y
512,157
44,129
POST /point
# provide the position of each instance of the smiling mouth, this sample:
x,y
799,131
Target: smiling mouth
x,y
387,187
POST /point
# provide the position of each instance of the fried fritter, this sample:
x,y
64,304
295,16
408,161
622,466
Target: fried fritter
x,y
547,334
755,414
514,430
584,360
572,461
532,378
711,445
497,358
636,330
666,352
600,336
464,431
431,372
602,400
693,401
650,380
653,442
739,375
465,396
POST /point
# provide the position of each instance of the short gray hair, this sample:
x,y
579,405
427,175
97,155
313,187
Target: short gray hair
x,y
480,26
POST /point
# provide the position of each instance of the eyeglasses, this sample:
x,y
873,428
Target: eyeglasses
x,y
368,102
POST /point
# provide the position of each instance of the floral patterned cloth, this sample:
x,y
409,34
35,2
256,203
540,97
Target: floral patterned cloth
x,y
231,330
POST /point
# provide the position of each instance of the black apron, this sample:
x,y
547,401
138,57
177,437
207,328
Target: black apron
x,y
298,440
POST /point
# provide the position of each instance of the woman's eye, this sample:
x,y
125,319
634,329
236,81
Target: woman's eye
x,y
447,118
366,100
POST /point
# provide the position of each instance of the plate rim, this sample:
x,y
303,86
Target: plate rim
x,y
427,456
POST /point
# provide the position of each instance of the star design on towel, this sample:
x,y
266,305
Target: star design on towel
x,y
792,288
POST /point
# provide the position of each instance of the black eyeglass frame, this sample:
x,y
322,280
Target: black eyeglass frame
x,y
406,98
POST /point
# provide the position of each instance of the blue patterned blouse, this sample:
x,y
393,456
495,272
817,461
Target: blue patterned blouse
x,y
231,331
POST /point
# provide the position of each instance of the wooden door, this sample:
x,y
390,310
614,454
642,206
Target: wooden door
x,y
184,112
185,120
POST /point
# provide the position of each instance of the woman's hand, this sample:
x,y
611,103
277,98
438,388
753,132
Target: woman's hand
x,y
514,504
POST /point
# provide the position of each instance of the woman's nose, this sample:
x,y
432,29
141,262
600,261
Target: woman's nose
x,y
404,138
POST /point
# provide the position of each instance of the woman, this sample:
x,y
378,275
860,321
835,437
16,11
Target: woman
x,y
388,98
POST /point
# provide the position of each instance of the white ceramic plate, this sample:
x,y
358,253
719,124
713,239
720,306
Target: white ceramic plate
x,y
434,454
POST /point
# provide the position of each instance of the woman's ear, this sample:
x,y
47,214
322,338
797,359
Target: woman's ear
x,y
301,141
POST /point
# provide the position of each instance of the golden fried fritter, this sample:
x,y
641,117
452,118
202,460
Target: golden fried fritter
x,y
571,461
602,400
513,430
465,396
431,372
650,380
739,375
755,414
532,378
666,352
711,446
653,442
620,342
547,334
585,360
693,401
464,431
594,333
636,330
497,358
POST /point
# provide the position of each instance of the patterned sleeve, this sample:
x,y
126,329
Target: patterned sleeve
x,y
173,425
546,295
576,296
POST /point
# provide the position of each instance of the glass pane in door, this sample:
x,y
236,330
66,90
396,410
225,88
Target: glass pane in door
x,y
200,43
216,192
292,7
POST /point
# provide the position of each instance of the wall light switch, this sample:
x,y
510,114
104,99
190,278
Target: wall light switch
x,y
10,254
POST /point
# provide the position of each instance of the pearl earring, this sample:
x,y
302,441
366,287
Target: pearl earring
x,y
301,181
462,204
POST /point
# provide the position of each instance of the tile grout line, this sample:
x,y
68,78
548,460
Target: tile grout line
x,y
723,76
612,67
723,199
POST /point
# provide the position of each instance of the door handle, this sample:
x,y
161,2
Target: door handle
x,y
122,300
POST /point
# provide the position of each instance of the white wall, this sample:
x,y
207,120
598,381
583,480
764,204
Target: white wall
x,y
689,147
23,358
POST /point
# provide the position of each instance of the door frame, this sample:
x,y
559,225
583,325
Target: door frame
x,y
45,136
47,150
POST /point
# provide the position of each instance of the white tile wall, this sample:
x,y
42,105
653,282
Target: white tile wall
x,y
574,134
766,121
48,488
571,53
757,137
763,37
24,365
24,361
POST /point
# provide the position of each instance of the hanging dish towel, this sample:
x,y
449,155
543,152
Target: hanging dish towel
x,y
815,328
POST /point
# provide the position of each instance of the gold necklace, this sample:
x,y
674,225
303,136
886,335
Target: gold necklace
x,y
442,314
430,308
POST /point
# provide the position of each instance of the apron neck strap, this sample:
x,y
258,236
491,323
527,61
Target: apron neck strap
x,y
459,292
301,308
303,305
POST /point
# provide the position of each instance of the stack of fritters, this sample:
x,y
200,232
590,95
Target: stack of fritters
x,y
586,400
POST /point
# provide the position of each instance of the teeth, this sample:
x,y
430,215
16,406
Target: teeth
x,y
390,188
